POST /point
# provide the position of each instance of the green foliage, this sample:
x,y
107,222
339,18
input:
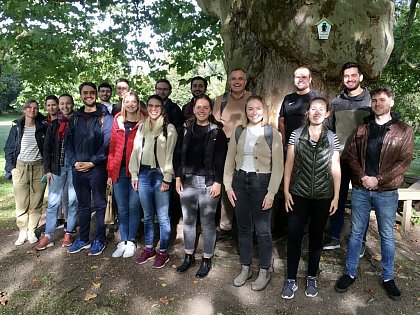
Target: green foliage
x,y
403,74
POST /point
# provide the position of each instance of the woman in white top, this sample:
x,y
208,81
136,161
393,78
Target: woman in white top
x,y
252,176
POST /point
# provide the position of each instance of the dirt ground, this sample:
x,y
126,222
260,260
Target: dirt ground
x,y
54,282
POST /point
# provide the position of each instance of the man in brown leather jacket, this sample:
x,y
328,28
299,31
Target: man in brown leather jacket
x,y
380,152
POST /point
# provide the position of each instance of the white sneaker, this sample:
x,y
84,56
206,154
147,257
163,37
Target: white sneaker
x,y
23,236
120,250
32,237
130,249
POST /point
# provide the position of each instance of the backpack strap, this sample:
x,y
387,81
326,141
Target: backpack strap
x,y
268,135
238,132
223,103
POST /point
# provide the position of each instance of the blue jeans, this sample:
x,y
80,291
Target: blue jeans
x,y
128,204
55,191
385,206
88,185
153,201
250,190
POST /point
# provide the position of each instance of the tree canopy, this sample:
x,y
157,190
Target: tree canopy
x,y
50,46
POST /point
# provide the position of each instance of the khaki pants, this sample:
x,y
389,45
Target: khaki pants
x,y
29,194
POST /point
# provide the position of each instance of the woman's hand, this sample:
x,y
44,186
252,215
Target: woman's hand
x,y
215,189
334,206
267,204
231,196
178,186
164,187
135,183
109,181
288,201
49,178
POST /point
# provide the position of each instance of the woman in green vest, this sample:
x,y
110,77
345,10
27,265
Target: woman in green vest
x,y
311,188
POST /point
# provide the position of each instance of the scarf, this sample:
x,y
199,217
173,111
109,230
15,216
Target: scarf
x,y
149,137
62,128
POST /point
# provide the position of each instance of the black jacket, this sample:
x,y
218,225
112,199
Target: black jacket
x,y
12,146
174,113
52,149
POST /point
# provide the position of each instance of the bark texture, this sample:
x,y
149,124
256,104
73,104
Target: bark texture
x,y
271,38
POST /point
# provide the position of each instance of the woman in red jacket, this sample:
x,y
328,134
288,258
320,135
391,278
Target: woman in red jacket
x,y
123,132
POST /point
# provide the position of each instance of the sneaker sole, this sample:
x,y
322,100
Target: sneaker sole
x,y
311,295
45,247
79,249
98,253
66,245
331,247
143,262
128,255
290,297
33,241
160,267
20,243
338,290
393,297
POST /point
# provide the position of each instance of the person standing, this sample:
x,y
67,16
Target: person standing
x,y
23,153
59,176
87,149
311,189
252,176
294,106
164,89
127,199
151,171
228,109
348,110
105,94
199,162
380,153
51,106
198,88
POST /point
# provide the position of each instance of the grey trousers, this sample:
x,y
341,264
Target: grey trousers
x,y
195,200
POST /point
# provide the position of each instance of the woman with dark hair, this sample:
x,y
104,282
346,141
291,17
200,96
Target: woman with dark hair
x,y
199,162
124,129
51,106
311,188
23,153
151,175
59,176
252,176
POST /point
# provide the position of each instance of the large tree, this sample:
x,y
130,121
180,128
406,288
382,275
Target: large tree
x,y
270,38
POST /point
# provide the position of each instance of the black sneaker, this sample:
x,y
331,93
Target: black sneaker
x,y
332,244
392,290
223,235
343,283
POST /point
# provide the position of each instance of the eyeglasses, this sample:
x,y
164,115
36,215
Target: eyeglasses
x,y
162,89
153,106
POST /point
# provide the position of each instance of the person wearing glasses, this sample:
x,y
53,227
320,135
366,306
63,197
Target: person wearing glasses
x,y
164,89
151,175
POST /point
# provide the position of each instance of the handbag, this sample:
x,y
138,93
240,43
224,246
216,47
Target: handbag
x,y
109,213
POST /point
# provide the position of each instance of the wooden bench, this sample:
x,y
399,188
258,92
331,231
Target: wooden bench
x,y
408,195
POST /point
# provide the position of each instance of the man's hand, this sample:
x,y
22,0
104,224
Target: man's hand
x,y
370,182
83,166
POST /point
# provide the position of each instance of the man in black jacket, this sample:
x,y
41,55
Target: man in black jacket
x,y
164,89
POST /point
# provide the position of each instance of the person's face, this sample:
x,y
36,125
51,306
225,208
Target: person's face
x,y
317,112
88,96
237,81
352,78
302,79
198,88
381,104
154,108
66,105
31,111
163,90
202,110
254,111
52,107
122,88
131,104
105,94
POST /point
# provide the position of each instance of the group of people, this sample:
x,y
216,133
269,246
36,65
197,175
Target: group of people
x,y
206,153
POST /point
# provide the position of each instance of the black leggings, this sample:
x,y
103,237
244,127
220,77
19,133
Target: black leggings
x,y
317,211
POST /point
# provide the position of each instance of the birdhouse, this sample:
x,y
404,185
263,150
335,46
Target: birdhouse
x,y
324,28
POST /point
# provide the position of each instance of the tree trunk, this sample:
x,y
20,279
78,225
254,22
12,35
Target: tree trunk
x,y
271,38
